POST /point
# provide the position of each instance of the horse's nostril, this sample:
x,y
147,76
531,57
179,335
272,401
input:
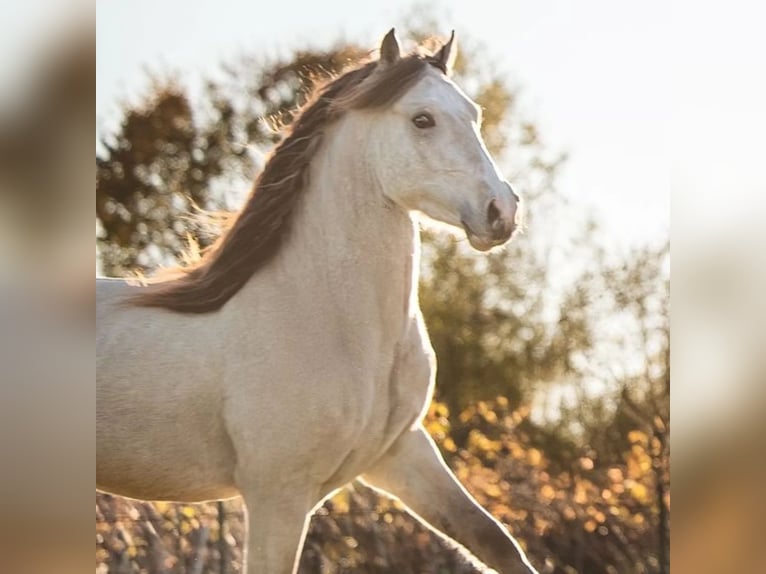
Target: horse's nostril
x,y
493,213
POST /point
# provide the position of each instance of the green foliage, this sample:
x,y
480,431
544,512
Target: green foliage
x,y
485,323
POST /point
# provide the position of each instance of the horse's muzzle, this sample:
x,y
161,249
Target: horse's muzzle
x,y
501,221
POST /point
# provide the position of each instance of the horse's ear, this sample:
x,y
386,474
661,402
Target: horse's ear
x,y
389,48
447,54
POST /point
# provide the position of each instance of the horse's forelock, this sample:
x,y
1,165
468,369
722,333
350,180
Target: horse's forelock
x,y
384,85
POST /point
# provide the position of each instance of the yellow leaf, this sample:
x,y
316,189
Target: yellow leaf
x,y
580,495
534,456
493,490
637,437
340,502
441,410
639,492
541,525
615,474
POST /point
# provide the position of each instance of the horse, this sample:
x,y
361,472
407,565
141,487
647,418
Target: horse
x,y
293,357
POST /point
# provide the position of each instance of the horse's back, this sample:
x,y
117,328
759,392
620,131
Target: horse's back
x,y
109,287
116,321
110,292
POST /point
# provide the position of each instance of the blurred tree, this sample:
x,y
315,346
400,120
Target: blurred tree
x,y
168,158
486,319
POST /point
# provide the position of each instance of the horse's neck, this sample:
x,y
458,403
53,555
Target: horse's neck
x,y
348,247
349,226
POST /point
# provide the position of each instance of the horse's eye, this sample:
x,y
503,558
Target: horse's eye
x,y
424,120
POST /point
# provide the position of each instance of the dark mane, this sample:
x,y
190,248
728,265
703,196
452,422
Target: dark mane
x,y
258,230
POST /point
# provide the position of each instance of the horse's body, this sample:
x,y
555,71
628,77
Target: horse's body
x,y
313,373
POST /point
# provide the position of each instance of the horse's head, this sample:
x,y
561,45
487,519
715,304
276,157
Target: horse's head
x,y
430,156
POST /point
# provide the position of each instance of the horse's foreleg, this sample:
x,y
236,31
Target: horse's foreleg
x,y
414,471
276,528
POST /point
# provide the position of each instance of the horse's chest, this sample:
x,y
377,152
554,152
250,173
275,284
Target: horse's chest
x,y
399,394
408,390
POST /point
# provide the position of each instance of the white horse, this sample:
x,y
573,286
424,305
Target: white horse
x,y
294,359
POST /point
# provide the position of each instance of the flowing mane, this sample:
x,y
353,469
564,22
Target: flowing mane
x,y
258,230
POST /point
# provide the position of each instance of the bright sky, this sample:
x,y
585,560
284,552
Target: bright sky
x,y
594,75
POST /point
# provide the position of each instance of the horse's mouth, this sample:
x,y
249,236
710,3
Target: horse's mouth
x,y
479,242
